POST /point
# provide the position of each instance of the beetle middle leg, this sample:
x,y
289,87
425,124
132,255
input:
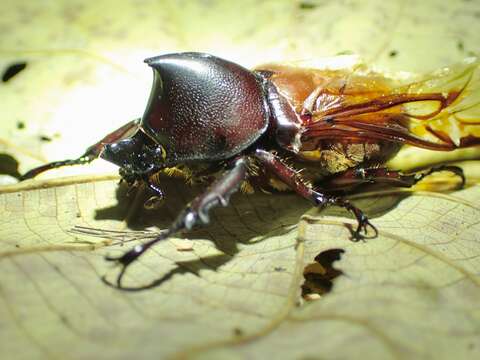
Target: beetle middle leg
x,y
291,178
195,213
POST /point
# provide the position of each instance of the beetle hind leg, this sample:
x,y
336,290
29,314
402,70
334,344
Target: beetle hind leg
x,y
292,179
381,175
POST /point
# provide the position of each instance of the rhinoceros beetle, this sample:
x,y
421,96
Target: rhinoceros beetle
x,y
259,128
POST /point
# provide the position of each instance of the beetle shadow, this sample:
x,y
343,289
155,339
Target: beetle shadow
x,y
182,267
247,220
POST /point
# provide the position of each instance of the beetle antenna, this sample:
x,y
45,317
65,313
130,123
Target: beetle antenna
x,y
84,159
90,154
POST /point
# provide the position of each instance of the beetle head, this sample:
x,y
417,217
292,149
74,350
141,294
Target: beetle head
x,y
137,154
203,107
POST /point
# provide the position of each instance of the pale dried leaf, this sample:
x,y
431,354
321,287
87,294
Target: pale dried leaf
x,y
410,293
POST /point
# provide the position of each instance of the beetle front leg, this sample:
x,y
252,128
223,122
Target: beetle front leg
x,y
90,154
197,212
291,178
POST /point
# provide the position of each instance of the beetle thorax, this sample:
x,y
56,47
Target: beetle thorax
x,y
203,108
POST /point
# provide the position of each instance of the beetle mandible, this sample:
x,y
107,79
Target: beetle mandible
x,y
207,115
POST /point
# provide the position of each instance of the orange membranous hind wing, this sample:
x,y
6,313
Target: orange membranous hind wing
x,y
439,112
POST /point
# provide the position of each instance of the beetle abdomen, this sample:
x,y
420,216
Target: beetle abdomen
x,y
203,108
335,157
